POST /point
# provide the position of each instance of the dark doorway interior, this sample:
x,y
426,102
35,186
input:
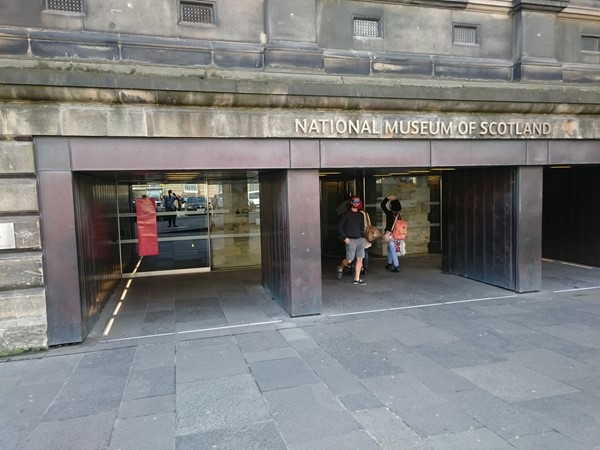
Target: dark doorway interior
x,y
571,214
418,191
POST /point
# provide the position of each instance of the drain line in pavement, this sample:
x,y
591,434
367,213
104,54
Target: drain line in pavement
x,y
398,308
576,289
228,327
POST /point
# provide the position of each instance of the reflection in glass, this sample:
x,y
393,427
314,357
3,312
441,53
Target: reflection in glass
x,y
217,226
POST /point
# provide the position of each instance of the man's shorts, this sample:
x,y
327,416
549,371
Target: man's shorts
x,y
355,248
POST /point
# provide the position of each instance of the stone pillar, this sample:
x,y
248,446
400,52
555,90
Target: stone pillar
x,y
23,322
534,37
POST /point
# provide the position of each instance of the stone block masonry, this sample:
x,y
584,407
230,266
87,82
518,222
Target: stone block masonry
x,y
23,323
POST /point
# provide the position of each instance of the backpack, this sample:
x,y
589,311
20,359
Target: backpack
x,y
399,229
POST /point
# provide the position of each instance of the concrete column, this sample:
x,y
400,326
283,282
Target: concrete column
x,y
528,229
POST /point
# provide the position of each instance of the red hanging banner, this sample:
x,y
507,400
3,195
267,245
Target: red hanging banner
x,y
145,210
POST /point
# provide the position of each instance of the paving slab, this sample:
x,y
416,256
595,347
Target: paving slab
x,y
150,382
389,431
282,373
551,440
88,406
146,406
338,379
504,419
513,382
80,433
210,362
152,432
402,391
309,413
479,439
217,403
555,365
261,340
255,436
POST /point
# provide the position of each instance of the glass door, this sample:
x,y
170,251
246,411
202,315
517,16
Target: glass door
x,y
183,228
213,225
235,222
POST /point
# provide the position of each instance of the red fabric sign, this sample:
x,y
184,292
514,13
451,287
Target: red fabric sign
x,y
145,209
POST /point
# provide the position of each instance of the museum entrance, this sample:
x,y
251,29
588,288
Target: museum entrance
x,y
485,221
418,191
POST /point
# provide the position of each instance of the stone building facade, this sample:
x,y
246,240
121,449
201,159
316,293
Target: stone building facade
x,y
287,88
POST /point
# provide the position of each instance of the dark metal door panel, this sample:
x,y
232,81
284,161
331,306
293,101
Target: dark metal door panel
x,y
97,237
478,215
275,231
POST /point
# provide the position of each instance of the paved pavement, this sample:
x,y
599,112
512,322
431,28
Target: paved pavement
x,y
416,360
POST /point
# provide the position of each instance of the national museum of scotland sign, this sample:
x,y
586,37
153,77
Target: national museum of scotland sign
x,y
438,128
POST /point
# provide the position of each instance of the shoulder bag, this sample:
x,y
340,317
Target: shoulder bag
x,y
372,233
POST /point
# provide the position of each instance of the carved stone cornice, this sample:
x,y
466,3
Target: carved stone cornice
x,y
554,6
160,86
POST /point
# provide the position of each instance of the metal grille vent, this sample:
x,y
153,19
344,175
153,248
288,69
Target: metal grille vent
x,y
367,28
192,12
464,34
75,6
590,43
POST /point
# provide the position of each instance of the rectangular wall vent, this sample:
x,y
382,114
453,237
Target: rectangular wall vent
x,y
465,34
590,43
195,12
367,27
73,6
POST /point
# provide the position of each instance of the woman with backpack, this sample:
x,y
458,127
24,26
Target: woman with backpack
x,y
392,212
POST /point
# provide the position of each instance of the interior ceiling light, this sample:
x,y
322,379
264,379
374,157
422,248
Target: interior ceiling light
x,y
329,173
560,167
444,168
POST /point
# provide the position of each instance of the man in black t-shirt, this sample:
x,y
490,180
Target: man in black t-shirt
x,y
351,229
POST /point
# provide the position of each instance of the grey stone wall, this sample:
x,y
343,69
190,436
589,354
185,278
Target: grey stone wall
x,y
537,40
23,323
